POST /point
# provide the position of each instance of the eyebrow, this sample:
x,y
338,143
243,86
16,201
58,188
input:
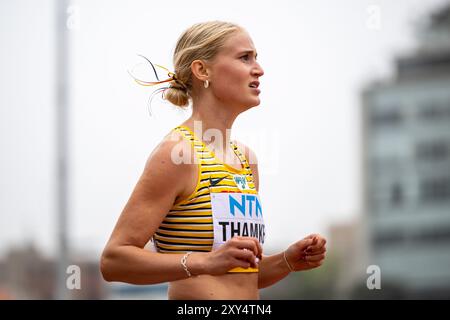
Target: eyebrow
x,y
249,51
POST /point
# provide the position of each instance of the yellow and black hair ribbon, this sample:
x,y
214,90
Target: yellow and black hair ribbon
x,y
170,74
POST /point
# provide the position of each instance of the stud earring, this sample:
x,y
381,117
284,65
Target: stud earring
x,y
206,84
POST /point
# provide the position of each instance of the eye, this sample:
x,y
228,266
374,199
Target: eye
x,y
245,57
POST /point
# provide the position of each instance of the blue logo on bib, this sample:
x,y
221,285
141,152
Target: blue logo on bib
x,y
242,205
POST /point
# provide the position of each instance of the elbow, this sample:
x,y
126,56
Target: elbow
x,y
107,266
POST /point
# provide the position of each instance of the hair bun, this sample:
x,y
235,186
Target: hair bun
x,y
177,94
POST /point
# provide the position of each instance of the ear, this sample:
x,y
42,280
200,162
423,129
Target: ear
x,y
200,70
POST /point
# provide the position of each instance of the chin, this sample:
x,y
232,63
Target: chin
x,y
246,105
255,103
250,105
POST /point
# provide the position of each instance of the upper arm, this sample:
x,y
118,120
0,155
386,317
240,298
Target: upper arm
x,y
250,155
161,182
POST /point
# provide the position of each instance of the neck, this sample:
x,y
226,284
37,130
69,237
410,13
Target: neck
x,y
212,123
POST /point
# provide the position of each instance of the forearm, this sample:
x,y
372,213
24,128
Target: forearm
x,y
271,270
134,265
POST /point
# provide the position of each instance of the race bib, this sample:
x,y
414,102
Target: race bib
x,y
237,214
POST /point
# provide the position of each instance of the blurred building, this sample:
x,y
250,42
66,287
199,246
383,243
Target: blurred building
x,y
347,248
406,165
27,274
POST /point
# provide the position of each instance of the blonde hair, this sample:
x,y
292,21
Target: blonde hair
x,y
201,41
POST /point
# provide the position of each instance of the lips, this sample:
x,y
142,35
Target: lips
x,y
254,84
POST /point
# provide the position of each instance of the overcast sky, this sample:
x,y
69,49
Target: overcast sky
x,y
317,56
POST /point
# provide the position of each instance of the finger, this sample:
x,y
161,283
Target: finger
x,y
247,255
304,244
259,248
319,242
318,239
314,252
244,242
248,243
312,236
315,258
315,249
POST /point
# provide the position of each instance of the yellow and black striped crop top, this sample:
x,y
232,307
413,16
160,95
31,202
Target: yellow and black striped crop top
x,y
189,225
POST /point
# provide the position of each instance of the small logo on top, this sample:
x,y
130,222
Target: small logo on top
x,y
241,181
215,181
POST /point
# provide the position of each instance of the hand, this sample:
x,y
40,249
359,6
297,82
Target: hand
x,y
307,253
236,252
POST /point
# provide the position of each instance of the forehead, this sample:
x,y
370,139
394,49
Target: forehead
x,y
237,42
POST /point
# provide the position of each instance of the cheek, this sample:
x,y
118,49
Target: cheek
x,y
234,79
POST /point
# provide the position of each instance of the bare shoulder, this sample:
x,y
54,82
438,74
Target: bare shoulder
x,y
164,179
170,159
166,172
170,144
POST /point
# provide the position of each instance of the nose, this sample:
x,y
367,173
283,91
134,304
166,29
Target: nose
x,y
258,70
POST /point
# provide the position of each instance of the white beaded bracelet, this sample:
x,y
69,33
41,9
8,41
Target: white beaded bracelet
x,y
183,263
